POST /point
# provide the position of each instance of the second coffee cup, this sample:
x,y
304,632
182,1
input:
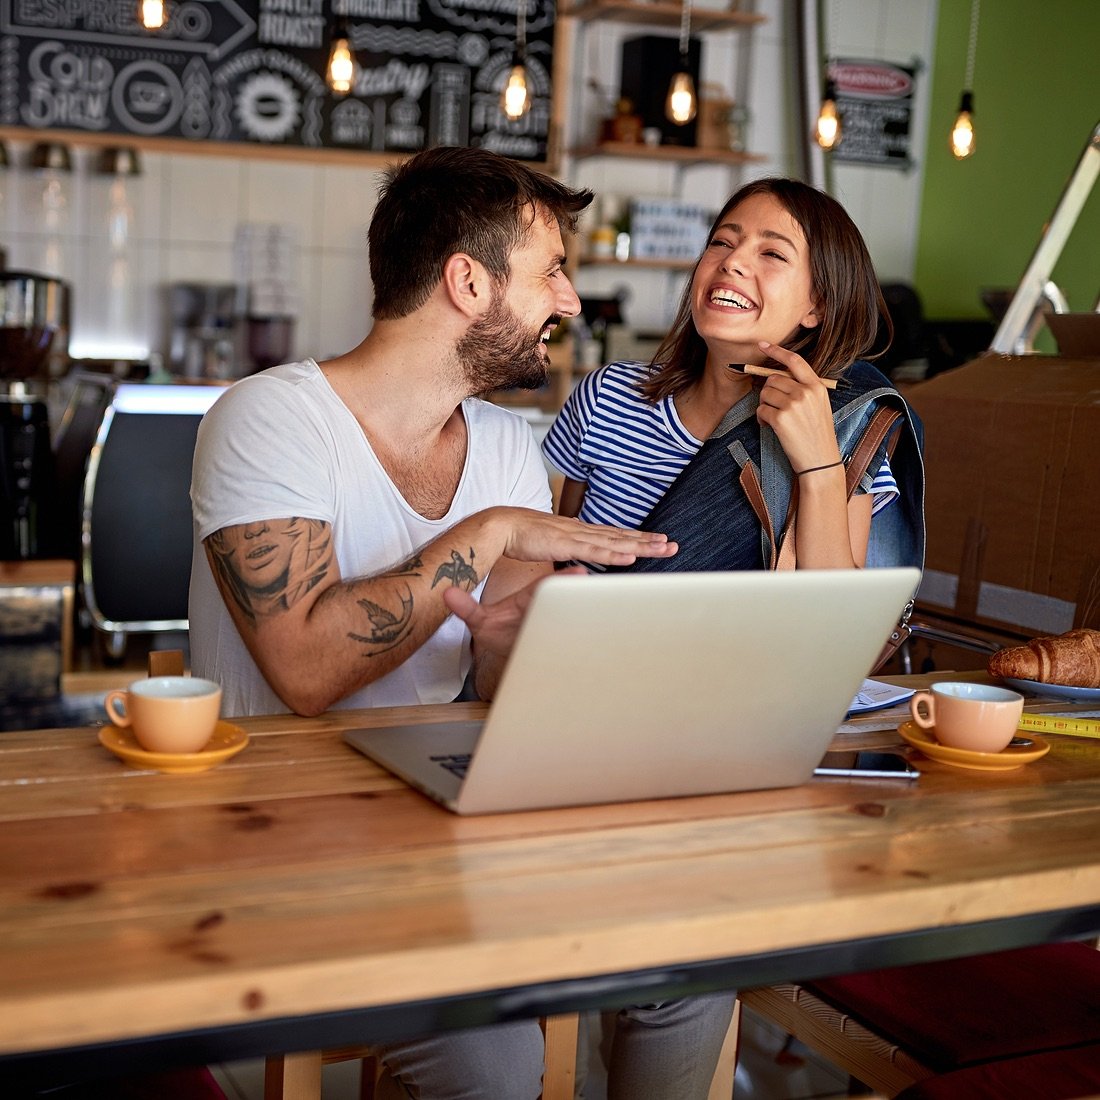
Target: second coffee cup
x,y
172,714
977,717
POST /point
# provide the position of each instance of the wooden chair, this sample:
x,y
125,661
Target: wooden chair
x,y
298,1076
904,1028
166,662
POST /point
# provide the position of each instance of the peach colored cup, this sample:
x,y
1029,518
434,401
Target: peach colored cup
x,y
977,717
167,713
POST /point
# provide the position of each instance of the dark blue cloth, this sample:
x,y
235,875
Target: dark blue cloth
x,y
707,512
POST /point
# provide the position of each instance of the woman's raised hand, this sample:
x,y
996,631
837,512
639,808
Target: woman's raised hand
x,y
795,405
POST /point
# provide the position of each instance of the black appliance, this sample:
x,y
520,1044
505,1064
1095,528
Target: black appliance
x,y
33,310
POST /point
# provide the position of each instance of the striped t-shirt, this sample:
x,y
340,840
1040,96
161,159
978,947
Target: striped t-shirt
x,y
628,451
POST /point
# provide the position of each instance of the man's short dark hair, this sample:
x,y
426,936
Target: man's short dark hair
x,y
449,200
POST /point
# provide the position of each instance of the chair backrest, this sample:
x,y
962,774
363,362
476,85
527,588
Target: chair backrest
x,y
136,520
166,662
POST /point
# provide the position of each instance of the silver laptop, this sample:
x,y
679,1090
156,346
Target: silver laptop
x,y
636,686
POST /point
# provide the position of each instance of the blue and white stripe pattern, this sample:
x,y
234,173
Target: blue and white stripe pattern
x,y
628,451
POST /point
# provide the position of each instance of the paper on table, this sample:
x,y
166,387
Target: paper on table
x,y
875,695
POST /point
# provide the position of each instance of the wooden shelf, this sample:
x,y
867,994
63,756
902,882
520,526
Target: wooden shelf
x,y
651,265
673,154
661,13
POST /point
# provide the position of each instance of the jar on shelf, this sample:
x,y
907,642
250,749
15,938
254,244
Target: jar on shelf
x,y
624,126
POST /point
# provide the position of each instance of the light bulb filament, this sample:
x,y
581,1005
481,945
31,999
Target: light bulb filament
x,y
827,132
341,67
151,14
962,133
515,100
681,103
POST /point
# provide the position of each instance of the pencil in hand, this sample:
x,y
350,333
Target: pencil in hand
x,y
764,372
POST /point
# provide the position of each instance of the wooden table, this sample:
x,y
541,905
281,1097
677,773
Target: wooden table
x,y
298,897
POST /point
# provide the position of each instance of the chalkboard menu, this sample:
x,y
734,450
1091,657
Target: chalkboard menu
x,y
875,103
252,71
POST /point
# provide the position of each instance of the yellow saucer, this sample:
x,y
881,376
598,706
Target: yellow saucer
x,y
1014,756
227,741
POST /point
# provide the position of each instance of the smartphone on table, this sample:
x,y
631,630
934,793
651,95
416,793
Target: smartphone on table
x,y
866,765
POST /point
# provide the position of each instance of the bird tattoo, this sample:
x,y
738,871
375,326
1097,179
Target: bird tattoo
x,y
459,572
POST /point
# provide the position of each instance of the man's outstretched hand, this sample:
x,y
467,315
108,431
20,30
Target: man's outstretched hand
x,y
494,626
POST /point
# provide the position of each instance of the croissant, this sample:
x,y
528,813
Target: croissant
x,y
1072,659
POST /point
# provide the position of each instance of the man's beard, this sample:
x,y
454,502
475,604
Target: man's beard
x,y
496,352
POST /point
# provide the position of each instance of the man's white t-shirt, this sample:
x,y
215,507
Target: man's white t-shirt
x,y
281,443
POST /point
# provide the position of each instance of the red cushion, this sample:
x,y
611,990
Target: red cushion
x,y
179,1084
963,1011
1053,1075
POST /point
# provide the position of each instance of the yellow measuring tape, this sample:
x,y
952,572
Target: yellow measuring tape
x,y
1058,723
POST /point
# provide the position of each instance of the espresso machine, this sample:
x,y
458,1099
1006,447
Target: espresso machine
x,y
33,310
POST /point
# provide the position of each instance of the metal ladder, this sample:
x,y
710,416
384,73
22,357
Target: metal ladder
x,y
1023,318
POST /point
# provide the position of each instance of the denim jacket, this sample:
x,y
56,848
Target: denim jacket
x,y
708,511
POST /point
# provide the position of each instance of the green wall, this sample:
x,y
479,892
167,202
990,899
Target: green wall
x,y
1036,102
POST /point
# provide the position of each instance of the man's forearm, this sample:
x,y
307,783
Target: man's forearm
x,y
318,640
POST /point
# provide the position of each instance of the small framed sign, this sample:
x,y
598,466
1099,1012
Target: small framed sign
x,y
875,102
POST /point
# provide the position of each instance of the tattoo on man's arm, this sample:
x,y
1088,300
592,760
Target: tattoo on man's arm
x,y
388,628
458,571
265,568
410,568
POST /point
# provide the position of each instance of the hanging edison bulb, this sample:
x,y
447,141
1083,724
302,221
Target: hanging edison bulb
x,y
962,133
827,130
152,14
515,99
341,71
681,103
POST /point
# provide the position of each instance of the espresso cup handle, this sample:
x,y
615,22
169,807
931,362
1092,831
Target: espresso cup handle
x,y
926,721
118,717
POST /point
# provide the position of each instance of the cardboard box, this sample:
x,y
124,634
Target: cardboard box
x,y
1012,453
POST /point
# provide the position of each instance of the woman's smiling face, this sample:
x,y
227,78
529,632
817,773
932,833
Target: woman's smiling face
x,y
753,282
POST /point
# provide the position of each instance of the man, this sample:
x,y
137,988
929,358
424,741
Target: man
x,y
336,504
344,510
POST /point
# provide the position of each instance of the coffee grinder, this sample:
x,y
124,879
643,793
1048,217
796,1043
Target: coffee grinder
x,y
32,311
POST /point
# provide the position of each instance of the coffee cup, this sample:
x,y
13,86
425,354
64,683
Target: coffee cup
x,y
960,715
172,714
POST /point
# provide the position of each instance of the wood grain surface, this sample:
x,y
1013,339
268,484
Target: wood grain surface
x,y
299,878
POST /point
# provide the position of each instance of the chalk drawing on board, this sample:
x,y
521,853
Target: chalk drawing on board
x,y
402,41
147,97
403,129
195,119
267,107
350,123
449,113
266,95
475,17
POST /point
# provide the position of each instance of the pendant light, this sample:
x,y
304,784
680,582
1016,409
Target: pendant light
x,y
681,103
827,130
342,69
962,132
151,14
515,99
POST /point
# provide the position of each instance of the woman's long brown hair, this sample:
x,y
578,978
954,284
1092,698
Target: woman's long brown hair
x,y
842,282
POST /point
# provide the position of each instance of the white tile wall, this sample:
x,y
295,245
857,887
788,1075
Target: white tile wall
x,y
184,209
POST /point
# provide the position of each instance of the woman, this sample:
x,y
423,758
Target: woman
x,y
785,281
